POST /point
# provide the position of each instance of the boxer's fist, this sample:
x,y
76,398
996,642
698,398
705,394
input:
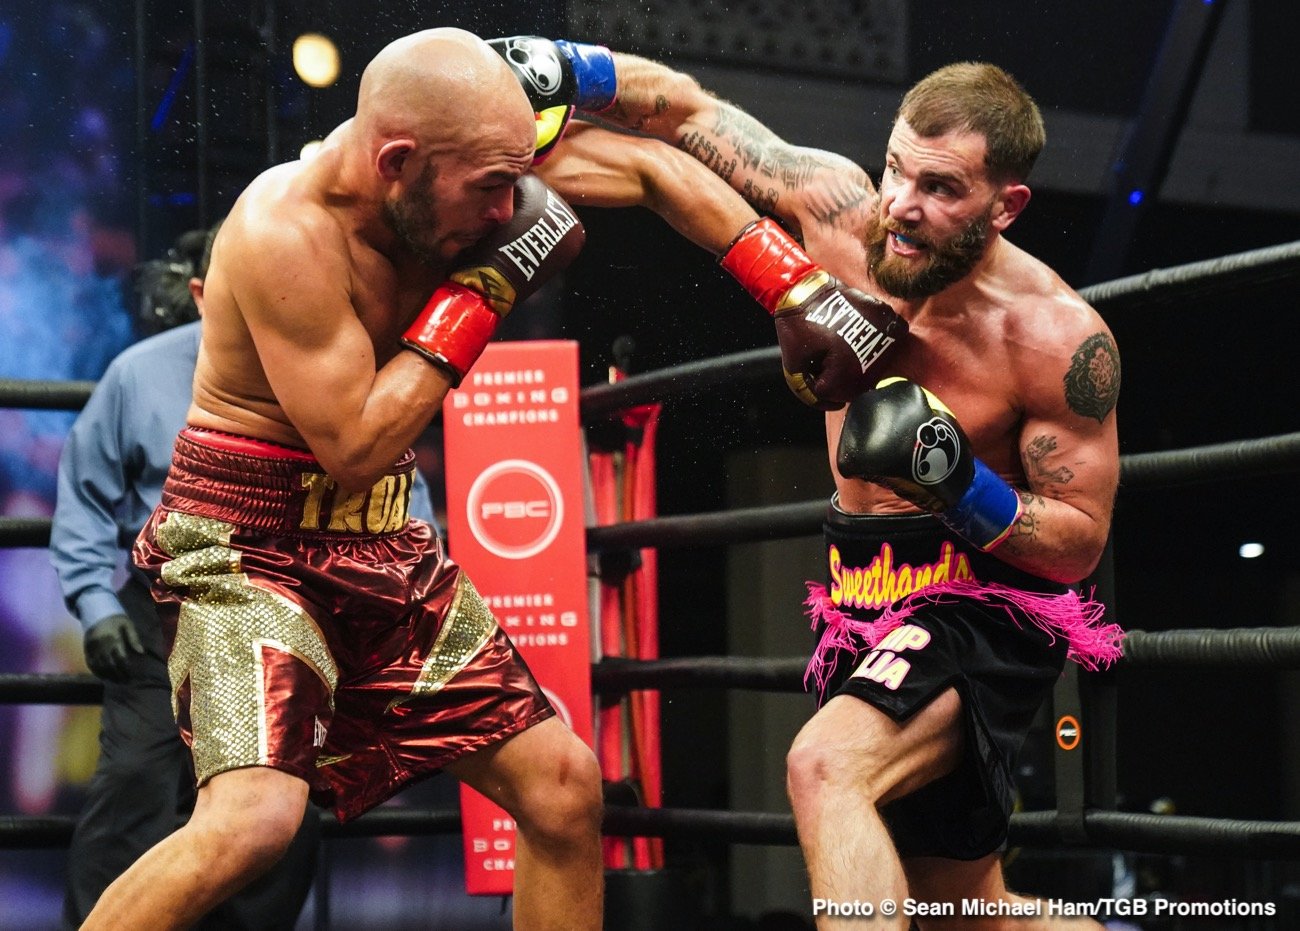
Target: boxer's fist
x,y
903,437
831,336
504,268
560,73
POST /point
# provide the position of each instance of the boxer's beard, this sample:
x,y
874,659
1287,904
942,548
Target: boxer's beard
x,y
413,218
945,264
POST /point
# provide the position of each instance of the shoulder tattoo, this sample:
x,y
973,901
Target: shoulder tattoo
x,y
1092,383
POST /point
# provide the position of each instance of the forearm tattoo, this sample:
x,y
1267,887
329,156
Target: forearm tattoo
x,y
1031,510
1035,455
760,149
1092,382
623,115
704,150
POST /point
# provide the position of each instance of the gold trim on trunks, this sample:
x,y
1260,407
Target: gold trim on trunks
x,y
468,626
225,623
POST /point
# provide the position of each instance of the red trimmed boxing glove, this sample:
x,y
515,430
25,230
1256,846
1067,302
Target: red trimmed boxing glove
x,y
504,268
831,336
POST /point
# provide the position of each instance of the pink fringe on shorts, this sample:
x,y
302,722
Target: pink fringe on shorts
x,y
1093,644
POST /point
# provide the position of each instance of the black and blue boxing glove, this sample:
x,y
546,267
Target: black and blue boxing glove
x,y
903,437
560,73
558,77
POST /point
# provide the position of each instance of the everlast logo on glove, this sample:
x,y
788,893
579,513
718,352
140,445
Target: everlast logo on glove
x,y
527,252
867,341
530,250
502,269
830,334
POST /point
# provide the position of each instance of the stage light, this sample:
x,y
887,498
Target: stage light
x,y
1251,550
316,59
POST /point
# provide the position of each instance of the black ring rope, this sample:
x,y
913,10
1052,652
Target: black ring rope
x,y
44,395
1238,270
1242,458
1167,834
616,675
1238,459
597,402
739,525
1132,831
1196,279
1238,648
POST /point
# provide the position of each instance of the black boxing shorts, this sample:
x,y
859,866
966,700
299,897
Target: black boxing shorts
x,y
910,610
320,633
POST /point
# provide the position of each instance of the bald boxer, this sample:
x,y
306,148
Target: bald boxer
x,y
974,480
322,644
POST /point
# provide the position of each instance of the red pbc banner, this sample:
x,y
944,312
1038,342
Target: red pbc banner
x,y
515,522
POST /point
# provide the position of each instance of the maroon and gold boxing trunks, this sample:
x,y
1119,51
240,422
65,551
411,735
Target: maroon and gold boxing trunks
x,y
321,633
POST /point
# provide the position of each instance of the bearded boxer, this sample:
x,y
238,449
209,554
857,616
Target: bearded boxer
x,y
974,486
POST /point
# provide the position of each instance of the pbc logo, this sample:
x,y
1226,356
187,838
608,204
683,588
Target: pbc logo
x,y
515,509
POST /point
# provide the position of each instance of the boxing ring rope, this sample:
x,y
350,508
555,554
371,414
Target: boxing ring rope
x,y
1237,648
1161,285
1238,459
1271,648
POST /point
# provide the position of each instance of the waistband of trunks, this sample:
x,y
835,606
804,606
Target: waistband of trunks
x,y
264,486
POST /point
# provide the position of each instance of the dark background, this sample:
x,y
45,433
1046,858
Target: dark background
x,y
1205,370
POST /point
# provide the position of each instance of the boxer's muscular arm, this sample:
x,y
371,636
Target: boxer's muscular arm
x,y
804,187
1070,453
595,167
295,297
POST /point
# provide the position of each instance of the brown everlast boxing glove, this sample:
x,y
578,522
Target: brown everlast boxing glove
x,y
832,336
502,269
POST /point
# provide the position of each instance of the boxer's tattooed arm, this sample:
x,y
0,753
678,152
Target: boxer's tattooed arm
x,y
704,150
762,199
1036,453
638,119
761,150
840,201
1031,511
1092,382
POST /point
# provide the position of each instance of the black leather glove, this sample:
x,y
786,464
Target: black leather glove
x,y
108,645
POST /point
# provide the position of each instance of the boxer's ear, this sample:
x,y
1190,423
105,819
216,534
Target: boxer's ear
x,y
1011,200
392,158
